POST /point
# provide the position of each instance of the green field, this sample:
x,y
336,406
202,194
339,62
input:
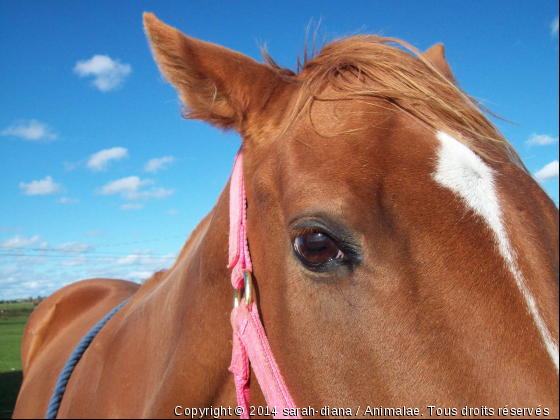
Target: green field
x,y
13,317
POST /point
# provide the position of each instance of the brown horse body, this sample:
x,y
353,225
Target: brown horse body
x,y
447,294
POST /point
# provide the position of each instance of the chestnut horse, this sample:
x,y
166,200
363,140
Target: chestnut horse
x,y
402,254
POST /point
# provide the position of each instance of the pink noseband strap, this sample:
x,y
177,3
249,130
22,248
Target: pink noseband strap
x,y
249,339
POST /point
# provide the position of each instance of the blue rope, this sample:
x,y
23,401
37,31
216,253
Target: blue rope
x,y
75,357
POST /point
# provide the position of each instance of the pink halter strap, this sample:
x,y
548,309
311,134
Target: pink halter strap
x,y
249,339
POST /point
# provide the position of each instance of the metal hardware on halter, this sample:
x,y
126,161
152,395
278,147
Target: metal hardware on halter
x,y
248,289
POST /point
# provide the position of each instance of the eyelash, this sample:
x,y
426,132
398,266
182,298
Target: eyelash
x,y
307,230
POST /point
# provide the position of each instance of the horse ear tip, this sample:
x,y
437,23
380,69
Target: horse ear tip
x,y
437,49
441,48
149,19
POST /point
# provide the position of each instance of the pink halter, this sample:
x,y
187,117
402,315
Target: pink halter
x,y
249,339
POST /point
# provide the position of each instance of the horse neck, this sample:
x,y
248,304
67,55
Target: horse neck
x,y
194,300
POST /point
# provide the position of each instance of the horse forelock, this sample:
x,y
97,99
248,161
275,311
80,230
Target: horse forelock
x,y
369,67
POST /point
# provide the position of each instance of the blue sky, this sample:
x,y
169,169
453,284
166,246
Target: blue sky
x,y
99,174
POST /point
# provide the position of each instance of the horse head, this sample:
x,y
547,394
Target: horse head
x,y
402,253
404,260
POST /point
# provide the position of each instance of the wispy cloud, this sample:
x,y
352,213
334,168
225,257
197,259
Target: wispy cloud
x,y
19,241
158,164
67,200
74,247
31,130
22,276
152,193
130,188
70,166
43,187
541,140
94,233
549,172
108,74
100,160
131,206
145,258
74,262
554,27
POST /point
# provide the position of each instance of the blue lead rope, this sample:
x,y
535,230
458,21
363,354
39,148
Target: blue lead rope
x,y
75,357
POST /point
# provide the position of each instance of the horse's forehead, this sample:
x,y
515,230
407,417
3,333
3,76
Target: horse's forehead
x,y
340,167
357,145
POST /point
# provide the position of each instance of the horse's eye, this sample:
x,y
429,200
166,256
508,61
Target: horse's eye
x,y
316,248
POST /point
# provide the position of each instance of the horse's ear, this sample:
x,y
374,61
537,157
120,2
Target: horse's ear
x,y
436,54
216,84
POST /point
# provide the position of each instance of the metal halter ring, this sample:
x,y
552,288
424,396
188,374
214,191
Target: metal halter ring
x,y
248,289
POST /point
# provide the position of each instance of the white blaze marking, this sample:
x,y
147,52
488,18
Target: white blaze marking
x,y
463,172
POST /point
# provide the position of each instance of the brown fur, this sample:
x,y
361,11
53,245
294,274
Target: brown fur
x,y
429,315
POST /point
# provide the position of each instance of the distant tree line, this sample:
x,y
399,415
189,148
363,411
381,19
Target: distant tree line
x,y
34,301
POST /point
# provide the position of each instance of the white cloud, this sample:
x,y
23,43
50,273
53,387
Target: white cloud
x,y
98,161
554,27
125,186
172,211
31,130
145,260
19,241
130,189
43,187
131,206
9,281
157,164
23,276
7,271
94,233
67,200
152,193
29,276
74,262
541,140
35,260
108,74
549,172
74,247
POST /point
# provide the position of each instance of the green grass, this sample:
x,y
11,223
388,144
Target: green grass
x,y
13,318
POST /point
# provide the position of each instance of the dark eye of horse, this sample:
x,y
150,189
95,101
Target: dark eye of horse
x,y
316,248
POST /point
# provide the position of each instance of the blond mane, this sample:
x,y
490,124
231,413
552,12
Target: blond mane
x,y
368,66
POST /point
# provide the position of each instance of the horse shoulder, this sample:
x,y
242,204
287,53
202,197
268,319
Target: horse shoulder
x,y
69,313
